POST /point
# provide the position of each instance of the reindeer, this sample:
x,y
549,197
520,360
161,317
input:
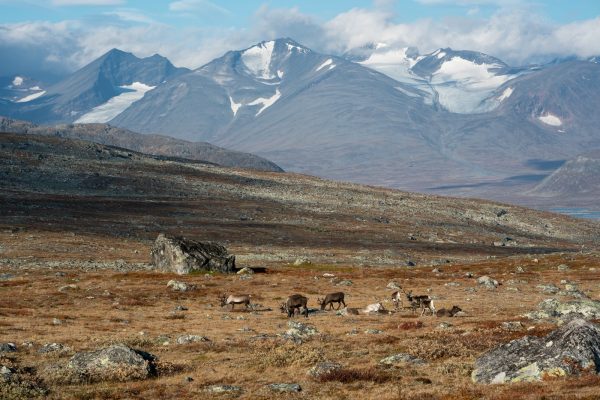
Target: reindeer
x,y
448,313
233,300
397,299
337,297
293,302
423,302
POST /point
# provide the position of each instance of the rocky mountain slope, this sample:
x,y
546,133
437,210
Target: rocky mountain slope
x,y
80,186
149,144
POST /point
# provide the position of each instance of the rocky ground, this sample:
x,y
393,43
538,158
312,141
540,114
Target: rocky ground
x,y
85,315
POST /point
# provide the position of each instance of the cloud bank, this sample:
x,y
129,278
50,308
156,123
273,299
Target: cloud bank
x,y
517,36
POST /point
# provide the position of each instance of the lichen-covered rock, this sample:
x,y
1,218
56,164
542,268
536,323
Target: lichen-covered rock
x,y
299,332
571,349
223,389
324,368
7,348
548,288
487,282
285,387
178,286
182,256
186,339
245,271
552,308
401,358
53,348
114,363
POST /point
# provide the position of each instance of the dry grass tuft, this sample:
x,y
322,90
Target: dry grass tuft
x,y
345,375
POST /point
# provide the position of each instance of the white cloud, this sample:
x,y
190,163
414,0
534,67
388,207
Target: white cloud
x,y
187,6
131,15
87,2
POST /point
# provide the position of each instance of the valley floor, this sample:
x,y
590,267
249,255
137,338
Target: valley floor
x,y
115,299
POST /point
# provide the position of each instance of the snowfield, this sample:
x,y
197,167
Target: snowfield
x,y
115,106
31,97
257,60
550,119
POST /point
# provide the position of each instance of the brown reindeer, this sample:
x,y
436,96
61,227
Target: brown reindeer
x,y
443,312
423,302
293,302
337,297
233,300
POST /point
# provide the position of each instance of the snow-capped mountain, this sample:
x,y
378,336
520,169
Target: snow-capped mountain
x,y
97,92
453,122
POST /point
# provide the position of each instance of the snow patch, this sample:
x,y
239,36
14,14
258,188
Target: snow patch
x,y
18,81
234,106
116,105
291,47
440,55
406,92
326,63
478,75
31,97
506,94
258,59
280,74
35,88
550,119
266,102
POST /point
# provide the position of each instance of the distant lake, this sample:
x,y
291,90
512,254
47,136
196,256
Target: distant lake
x,y
577,212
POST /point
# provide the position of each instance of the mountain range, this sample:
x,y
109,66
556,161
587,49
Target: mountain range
x,y
450,122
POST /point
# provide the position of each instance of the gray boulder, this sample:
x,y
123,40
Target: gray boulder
x,y
299,332
285,387
552,308
401,358
487,282
324,368
7,347
570,349
186,339
53,348
178,286
223,389
182,256
114,363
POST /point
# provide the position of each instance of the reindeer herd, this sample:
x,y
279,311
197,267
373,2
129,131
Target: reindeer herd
x,y
299,303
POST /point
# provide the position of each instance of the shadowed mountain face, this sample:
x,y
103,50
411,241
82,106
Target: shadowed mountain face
x,y
149,144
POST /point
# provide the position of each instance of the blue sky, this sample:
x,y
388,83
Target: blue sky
x,y
62,35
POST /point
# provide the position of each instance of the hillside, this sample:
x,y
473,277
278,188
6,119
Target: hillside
x,y
57,184
149,144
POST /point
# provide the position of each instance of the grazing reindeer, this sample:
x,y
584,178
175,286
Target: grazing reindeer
x,y
337,297
233,300
293,302
448,313
423,302
397,299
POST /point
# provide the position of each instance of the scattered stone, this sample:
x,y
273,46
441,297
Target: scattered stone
x,y
245,271
187,339
6,277
223,389
245,277
302,261
520,269
436,270
468,274
552,308
298,331
56,321
60,274
501,213
285,387
445,325
344,282
460,313
571,349
353,332
65,288
512,326
7,348
53,348
452,284
189,379
548,288
328,275
563,267
487,282
393,285
373,331
324,368
182,256
401,358
180,308
178,286
410,263
5,373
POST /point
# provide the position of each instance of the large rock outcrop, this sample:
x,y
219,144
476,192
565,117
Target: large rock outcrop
x,y
182,256
571,349
114,363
